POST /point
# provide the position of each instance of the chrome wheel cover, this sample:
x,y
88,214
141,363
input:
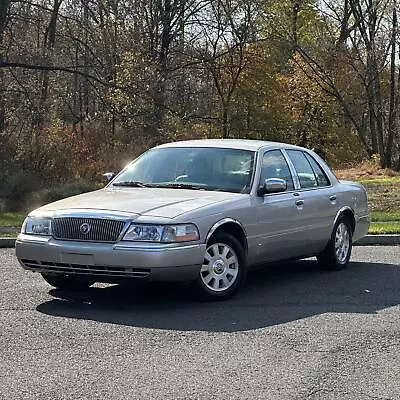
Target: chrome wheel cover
x,y
220,267
342,243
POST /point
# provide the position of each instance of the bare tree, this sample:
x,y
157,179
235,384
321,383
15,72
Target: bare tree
x,y
226,30
361,40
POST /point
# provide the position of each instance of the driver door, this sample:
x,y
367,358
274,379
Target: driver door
x,y
278,234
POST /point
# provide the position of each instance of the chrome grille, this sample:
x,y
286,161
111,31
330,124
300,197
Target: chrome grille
x,y
87,229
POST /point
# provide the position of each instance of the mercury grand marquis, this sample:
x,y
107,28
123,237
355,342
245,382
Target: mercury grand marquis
x,y
200,211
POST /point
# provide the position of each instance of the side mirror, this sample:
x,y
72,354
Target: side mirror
x,y
108,176
272,185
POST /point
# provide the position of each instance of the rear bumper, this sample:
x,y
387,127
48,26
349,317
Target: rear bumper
x,y
105,260
362,226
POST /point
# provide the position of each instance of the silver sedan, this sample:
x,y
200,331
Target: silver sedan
x,y
203,211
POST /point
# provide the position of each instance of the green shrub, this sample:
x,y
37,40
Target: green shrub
x,y
69,189
17,185
23,191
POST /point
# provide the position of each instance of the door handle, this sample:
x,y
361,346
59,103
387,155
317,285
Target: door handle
x,y
299,202
333,197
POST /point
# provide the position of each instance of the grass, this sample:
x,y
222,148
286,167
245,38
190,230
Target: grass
x,y
383,191
9,235
386,181
11,219
378,228
10,224
385,216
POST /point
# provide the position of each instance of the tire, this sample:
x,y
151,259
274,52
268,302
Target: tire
x,y
337,253
224,268
64,282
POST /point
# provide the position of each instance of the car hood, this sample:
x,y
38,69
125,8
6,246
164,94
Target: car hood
x,y
165,203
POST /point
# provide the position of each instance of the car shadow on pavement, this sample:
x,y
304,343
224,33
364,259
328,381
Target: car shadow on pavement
x,y
274,295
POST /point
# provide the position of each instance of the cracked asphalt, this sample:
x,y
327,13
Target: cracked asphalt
x,y
294,332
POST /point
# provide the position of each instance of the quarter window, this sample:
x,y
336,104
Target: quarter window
x,y
274,165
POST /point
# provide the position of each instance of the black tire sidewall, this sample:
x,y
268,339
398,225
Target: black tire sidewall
x,y
331,258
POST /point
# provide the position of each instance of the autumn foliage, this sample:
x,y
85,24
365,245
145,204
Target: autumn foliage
x,y
86,86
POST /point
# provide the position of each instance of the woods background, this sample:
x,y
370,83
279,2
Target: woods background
x,y
85,85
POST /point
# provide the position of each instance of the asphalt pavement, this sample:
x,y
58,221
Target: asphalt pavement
x,y
294,332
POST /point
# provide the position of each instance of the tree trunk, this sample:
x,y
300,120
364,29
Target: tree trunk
x,y
370,93
2,95
84,108
295,18
4,5
48,46
379,112
181,84
394,96
166,38
225,121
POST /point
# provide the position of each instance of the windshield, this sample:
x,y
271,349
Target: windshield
x,y
227,170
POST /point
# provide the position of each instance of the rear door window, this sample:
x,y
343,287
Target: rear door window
x,y
322,179
303,168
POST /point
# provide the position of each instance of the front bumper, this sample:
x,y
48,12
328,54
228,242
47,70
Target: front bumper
x,y
107,261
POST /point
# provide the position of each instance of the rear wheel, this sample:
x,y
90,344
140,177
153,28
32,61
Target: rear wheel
x,y
337,253
65,282
224,268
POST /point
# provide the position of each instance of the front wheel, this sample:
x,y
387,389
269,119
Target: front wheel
x,y
224,268
337,253
65,282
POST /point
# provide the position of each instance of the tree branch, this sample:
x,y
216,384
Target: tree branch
x,y
54,68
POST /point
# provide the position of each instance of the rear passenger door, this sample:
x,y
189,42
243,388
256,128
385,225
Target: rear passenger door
x,y
316,200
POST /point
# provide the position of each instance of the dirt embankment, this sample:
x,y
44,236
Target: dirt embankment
x,y
382,185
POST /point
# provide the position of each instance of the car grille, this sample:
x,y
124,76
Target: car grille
x,y
87,229
96,270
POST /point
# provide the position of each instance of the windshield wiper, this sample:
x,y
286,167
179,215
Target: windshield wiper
x,y
181,186
132,184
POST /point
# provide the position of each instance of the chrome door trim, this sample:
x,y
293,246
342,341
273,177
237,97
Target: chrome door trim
x,y
256,174
292,169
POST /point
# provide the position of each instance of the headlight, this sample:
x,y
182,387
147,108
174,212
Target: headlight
x,y
37,226
180,233
162,233
148,233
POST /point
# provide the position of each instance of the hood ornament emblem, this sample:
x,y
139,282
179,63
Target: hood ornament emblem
x,y
85,228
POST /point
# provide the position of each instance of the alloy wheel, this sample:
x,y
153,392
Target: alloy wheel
x,y
220,267
342,242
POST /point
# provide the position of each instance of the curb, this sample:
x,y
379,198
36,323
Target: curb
x,y
369,240
5,243
378,240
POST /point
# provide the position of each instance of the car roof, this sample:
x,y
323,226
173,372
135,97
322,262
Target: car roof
x,y
243,144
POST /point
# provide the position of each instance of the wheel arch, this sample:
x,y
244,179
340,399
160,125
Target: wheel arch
x,y
348,213
231,226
